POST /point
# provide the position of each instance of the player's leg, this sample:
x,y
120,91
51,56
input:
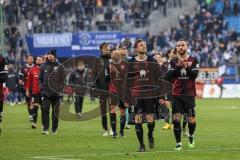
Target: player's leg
x,y
1,110
81,98
127,118
122,120
190,103
166,116
55,101
113,120
138,124
177,115
36,101
45,114
103,107
76,104
28,102
184,125
149,110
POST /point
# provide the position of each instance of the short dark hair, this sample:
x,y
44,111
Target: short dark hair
x,y
136,42
52,52
113,49
102,45
122,45
29,55
181,39
80,62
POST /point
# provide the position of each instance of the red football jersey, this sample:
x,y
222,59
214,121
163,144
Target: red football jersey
x,y
33,80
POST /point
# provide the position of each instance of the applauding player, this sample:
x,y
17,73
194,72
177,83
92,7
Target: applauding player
x,y
182,72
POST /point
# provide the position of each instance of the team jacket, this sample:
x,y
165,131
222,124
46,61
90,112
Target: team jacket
x,y
33,80
103,77
51,79
79,79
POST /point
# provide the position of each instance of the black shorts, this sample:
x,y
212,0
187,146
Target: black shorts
x,y
145,106
184,105
121,104
28,99
37,99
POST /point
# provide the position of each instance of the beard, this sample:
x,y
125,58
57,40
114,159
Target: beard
x,y
143,52
182,52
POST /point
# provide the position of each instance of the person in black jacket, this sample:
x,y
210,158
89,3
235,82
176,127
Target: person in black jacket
x,y
77,78
51,81
102,83
12,84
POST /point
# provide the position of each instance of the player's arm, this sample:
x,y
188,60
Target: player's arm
x,y
41,76
193,70
71,78
21,76
173,70
62,77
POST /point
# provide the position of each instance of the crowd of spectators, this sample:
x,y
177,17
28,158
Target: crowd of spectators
x,y
77,15
207,32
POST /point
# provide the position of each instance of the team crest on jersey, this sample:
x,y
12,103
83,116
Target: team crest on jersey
x,y
142,73
190,63
183,72
122,67
169,66
55,68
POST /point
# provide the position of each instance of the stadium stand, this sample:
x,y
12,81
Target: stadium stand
x,y
212,32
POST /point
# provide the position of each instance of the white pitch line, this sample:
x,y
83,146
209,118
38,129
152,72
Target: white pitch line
x,y
61,157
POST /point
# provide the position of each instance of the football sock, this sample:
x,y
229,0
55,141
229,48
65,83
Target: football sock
x,y
113,121
139,132
177,131
122,123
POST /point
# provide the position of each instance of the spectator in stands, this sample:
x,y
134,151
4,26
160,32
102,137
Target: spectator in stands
x,y
236,8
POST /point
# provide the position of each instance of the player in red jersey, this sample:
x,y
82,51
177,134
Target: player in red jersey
x,y
182,72
23,81
117,68
33,85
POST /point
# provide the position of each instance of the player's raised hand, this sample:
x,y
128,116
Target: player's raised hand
x,y
112,68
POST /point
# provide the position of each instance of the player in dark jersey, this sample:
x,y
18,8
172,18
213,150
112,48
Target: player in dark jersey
x,y
143,75
122,49
33,84
23,81
3,78
117,68
172,53
102,83
182,72
162,103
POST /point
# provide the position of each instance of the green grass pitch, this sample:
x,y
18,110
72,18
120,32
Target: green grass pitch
x,y
217,137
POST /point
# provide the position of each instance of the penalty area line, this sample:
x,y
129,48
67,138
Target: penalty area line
x,y
75,157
